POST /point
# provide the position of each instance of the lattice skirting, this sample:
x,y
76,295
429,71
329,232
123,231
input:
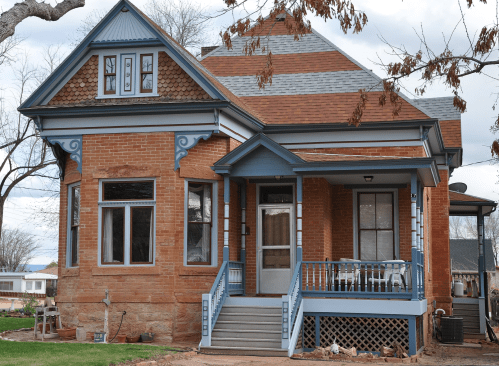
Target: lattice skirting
x,y
365,334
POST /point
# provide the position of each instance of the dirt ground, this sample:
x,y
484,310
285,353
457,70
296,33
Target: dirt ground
x,y
473,352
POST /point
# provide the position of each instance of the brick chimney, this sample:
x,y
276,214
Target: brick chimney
x,y
206,50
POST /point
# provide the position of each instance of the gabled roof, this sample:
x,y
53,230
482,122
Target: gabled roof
x,y
126,26
464,255
225,164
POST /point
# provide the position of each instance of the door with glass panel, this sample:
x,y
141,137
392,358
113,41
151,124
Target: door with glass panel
x,y
376,226
275,239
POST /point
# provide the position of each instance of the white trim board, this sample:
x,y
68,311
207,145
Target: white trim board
x,y
361,306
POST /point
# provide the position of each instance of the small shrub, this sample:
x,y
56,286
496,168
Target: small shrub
x,y
29,303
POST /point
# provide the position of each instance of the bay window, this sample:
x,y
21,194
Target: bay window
x,y
127,222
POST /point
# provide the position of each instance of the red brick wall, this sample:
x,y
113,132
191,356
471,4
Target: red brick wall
x,y
360,153
165,298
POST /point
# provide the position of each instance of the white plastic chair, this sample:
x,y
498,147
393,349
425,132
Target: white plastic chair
x,y
348,273
395,274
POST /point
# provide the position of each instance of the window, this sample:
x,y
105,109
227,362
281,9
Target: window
x,y
200,230
38,285
110,75
72,250
29,285
6,286
127,222
146,73
376,226
128,74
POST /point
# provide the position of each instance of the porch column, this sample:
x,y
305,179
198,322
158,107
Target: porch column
x,y
299,197
418,218
481,270
243,230
226,217
414,251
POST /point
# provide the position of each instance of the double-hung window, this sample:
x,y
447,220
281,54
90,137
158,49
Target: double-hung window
x,y
38,285
128,74
73,225
200,248
29,285
376,234
6,286
127,212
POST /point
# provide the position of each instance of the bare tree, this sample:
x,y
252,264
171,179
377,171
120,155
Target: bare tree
x,y
23,153
457,229
86,25
491,230
31,8
184,21
17,248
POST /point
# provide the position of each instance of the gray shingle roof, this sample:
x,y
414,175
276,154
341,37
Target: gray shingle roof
x,y
279,45
441,108
300,84
464,255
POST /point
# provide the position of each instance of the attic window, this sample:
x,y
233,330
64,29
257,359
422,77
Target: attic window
x,y
146,73
281,17
110,75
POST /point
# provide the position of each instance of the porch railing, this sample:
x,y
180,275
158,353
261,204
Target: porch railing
x,y
236,278
361,279
292,312
471,283
229,281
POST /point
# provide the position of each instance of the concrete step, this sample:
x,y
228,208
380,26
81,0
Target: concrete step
x,y
264,326
245,342
241,351
249,317
243,333
241,309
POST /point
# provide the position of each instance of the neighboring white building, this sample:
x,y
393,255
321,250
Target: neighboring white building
x,y
30,282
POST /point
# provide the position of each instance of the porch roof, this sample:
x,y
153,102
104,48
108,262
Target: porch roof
x,y
467,205
260,156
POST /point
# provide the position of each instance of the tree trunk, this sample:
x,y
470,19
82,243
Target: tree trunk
x,y
31,8
2,202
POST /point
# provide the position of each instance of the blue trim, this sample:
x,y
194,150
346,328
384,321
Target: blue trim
x,y
299,188
252,144
125,44
414,183
185,141
357,315
72,145
77,53
243,195
413,334
317,331
299,255
357,294
226,189
414,275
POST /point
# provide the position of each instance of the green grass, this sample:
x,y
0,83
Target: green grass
x,y
66,354
15,323
79,354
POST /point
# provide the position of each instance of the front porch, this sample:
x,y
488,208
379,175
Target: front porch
x,y
322,271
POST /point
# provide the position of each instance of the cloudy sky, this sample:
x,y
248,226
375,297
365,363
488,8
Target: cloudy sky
x,y
394,20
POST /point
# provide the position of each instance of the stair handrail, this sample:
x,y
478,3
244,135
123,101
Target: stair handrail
x,y
290,306
212,303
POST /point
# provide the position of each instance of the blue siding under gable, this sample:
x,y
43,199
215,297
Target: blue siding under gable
x,y
261,163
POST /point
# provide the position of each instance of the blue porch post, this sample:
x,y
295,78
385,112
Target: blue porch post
x,y
226,217
243,232
299,198
422,254
481,270
413,334
414,251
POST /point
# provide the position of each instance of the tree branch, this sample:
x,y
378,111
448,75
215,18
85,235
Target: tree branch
x,y
30,8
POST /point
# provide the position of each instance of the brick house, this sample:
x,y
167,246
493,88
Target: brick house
x,y
251,219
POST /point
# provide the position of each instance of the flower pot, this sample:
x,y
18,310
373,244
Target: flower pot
x,y
147,337
121,338
47,328
67,334
132,339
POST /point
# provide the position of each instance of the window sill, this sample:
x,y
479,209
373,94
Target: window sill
x,y
198,271
119,271
113,96
70,272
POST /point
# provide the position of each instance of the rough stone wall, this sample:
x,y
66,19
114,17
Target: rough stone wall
x,y
173,84
165,298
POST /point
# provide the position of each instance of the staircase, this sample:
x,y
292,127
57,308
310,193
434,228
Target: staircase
x,y
248,326
470,312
